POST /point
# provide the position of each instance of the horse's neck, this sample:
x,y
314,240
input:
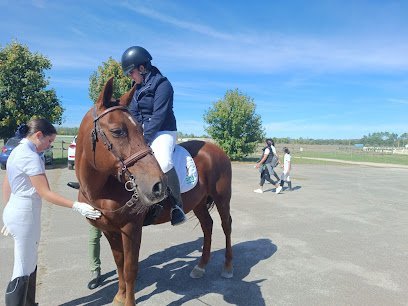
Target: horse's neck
x,y
94,183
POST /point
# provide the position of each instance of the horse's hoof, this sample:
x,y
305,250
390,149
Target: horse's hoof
x,y
227,273
197,272
117,302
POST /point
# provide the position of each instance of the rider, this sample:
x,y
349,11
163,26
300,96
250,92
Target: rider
x,y
152,107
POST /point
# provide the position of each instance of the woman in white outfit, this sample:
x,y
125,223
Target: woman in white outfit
x,y
25,184
287,165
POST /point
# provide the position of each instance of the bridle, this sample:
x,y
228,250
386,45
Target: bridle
x,y
130,183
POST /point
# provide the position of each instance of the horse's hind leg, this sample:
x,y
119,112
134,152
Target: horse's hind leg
x,y
223,207
206,223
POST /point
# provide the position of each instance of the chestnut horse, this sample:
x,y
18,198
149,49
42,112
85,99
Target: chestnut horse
x,y
119,175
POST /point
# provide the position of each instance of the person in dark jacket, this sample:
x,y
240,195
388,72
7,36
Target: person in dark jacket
x,y
152,107
267,162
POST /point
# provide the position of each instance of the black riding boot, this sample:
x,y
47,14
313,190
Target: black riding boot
x,y
290,185
16,292
177,213
32,284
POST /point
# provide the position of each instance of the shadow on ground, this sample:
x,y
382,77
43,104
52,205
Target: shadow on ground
x,y
273,189
169,271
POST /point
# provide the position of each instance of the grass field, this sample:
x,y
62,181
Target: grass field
x,y
347,153
359,157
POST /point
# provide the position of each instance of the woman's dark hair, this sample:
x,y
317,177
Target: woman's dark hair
x,y
35,125
286,150
270,142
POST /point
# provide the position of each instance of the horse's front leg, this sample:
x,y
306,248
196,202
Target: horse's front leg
x,y
206,223
115,241
131,239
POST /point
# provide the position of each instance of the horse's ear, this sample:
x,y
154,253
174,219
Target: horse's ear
x,y
127,97
105,96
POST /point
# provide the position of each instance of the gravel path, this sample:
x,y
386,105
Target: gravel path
x,y
340,238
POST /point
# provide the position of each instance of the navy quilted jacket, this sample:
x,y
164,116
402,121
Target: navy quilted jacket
x,y
152,105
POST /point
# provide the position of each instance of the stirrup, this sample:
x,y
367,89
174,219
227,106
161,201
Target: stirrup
x,y
74,185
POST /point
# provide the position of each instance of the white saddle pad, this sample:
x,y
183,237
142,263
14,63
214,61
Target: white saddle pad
x,y
185,168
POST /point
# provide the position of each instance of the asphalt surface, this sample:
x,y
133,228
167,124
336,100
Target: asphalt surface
x,y
340,238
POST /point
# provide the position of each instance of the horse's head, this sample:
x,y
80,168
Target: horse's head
x,y
111,144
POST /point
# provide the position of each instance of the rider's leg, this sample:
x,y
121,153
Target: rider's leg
x,y
163,147
177,213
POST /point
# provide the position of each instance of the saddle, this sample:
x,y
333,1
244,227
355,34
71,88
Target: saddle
x,y
188,177
185,168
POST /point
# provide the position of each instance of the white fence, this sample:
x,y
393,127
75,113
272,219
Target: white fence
x,y
388,150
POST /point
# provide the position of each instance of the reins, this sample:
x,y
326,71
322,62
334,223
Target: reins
x,y
106,210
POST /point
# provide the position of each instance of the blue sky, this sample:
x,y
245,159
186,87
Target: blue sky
x,y
318,69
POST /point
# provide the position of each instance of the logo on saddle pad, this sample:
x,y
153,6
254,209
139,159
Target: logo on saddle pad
x,y
185,168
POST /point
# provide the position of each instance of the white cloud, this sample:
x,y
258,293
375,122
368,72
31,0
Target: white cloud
x,y
399,101
179,23
262,51
266,51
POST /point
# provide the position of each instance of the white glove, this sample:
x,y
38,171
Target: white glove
x,y
86,210
5,231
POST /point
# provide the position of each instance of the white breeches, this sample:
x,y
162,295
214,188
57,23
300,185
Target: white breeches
x,y
163,148
285,177
22,217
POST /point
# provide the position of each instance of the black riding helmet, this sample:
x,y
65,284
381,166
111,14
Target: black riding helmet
x,y
133,57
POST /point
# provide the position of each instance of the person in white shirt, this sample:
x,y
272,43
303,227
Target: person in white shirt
x,y
25,185
285,177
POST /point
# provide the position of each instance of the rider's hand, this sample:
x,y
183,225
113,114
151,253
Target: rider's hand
x,y
5,231
86,210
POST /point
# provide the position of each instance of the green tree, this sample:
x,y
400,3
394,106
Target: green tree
x,y
108,69
23,93
404,139
234,125
381,139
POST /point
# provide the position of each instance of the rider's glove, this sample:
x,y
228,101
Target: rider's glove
x,y
86,210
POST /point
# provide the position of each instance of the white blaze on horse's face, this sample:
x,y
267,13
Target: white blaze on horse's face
x,y
131,119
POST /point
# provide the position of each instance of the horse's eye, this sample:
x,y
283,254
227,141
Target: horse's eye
x,y
118,133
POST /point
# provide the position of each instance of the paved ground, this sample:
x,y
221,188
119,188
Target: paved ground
x,y
341,238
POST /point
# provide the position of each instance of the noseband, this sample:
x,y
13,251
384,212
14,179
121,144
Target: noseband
x,y
130,184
